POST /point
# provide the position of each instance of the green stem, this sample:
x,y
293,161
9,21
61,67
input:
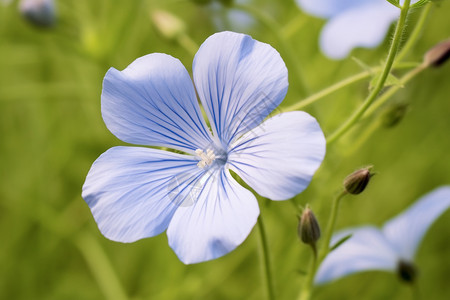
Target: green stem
x,y
340,85
100,267
276,31
412,40
325,248
187,43
354,118
392,90
266,266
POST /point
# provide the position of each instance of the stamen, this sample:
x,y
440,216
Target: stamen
x,y
206,159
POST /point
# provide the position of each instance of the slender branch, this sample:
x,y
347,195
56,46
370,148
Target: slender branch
x,y
340,85
305,293
412,40
356,116
266,266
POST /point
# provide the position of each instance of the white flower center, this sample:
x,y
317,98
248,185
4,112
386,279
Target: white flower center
x,y
206,158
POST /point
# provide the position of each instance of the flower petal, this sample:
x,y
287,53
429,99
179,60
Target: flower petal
x,y
239,81
133,192
407,230
219,221
279,157
329,8
152,102
367,249
360,26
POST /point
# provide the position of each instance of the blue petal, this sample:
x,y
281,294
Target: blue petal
x,y
366,250
407,230
153,102
329,8
279,157
218,222
361,26
133,192
239,81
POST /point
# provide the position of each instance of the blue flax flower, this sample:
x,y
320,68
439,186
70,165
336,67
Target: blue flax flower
x,y
390,249
139,192
352,23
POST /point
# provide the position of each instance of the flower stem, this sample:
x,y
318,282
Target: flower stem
x,y
415,34
187,44
101,268
392,90
324,250
265,261
275,29
340,85
356,116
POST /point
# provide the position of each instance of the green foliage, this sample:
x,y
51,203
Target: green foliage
x,y
51,132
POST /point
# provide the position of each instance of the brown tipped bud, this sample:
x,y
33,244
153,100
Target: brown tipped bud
x,y
406,271
167,24
437,55
356,182
308,228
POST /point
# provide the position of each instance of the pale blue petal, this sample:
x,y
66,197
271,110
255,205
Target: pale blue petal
x,y
152,102
279,157
407,230
218,222
329,8
366,250
133,192
239,81
361,26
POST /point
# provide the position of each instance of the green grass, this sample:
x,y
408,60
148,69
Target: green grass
x,y
51,131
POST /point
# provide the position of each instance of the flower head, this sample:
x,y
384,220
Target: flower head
x,y
39,12
139,192
352,23
390,249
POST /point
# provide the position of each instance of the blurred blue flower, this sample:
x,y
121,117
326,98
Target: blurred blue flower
x,y
352,23
390,249
139,192
38,12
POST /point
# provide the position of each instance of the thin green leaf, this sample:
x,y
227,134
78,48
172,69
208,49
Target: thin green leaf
x,y
419,3
394,2
390,80
340,242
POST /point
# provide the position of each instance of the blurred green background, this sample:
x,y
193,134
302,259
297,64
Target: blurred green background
x,y
51,131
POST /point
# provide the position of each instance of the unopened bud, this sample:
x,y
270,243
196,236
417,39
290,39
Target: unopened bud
x,y
394,114
308,228
437,55
356,182
38,12
167,24
406,271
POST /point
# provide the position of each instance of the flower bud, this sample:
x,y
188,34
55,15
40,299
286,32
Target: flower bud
x,y
437,55
308,228
167,24
406,271
356,182
394,114
38,12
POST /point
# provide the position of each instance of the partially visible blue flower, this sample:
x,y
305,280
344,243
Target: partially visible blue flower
x,y
139,192
352,23
390,249
38,12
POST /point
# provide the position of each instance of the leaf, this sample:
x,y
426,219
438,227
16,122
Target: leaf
x,y
340,242
419,3
390,80
395,3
